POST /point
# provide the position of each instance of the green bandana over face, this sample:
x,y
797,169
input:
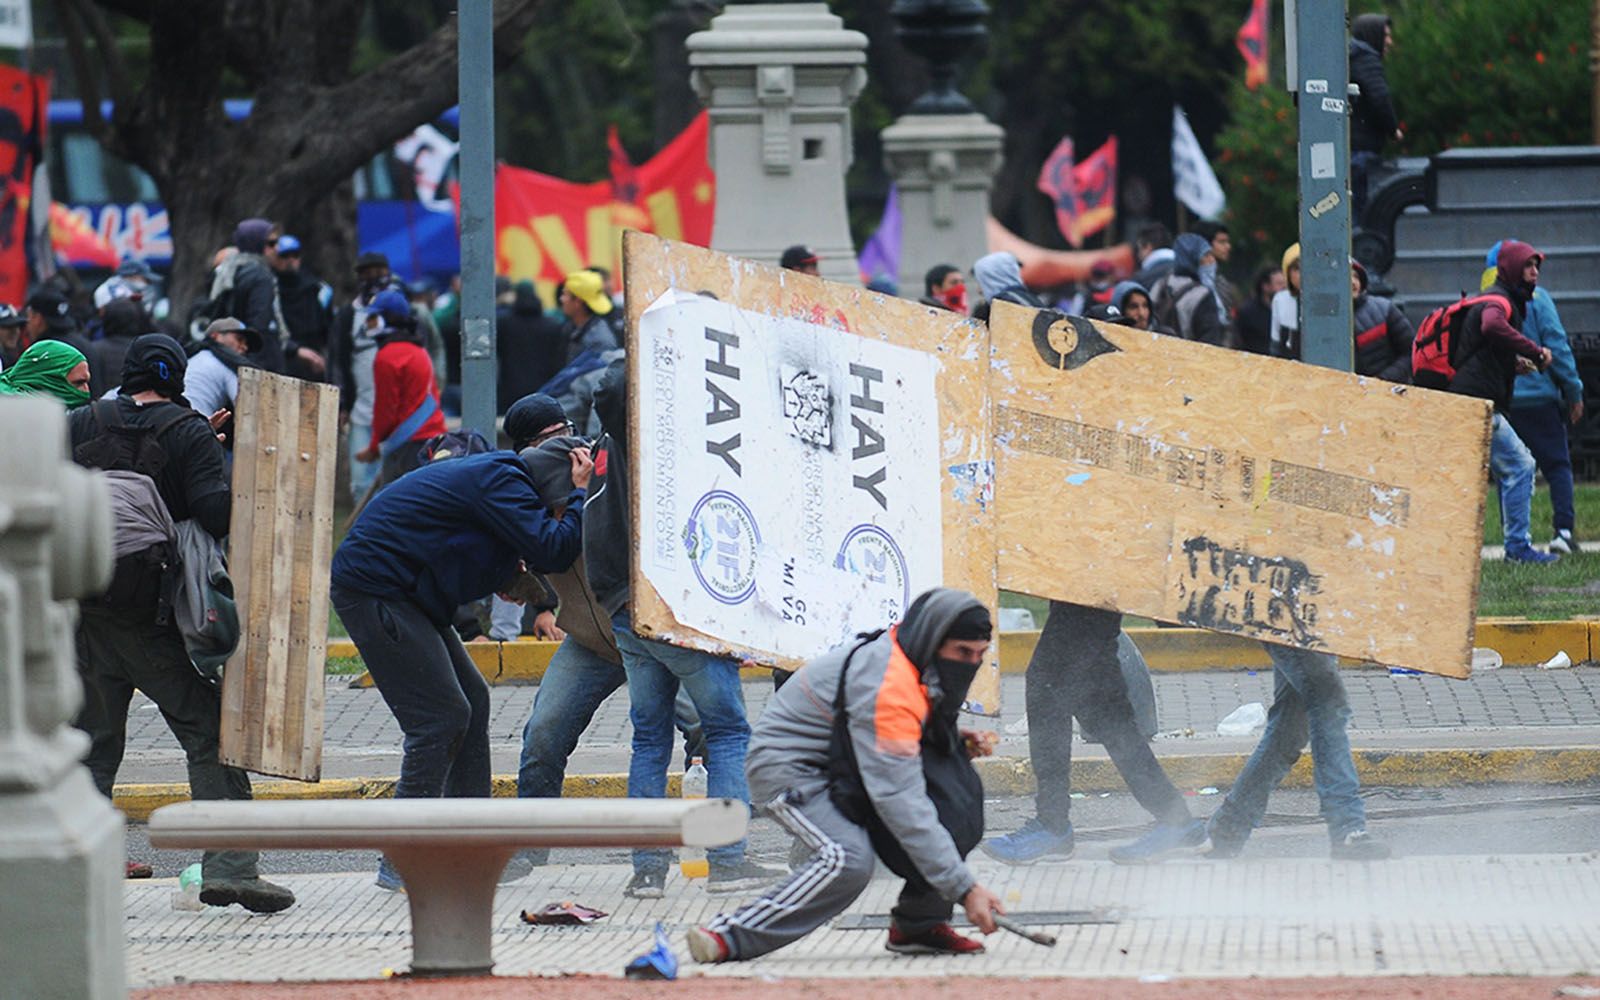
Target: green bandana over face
x,y
42,370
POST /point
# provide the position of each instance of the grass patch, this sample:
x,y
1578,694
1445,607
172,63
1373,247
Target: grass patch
x,y
344,666
1585,505
1562,589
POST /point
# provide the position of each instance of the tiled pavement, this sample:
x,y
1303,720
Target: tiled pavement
x,y
1463,915
361,738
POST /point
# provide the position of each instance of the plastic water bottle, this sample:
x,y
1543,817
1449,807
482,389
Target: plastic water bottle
x,y
187,895
692,860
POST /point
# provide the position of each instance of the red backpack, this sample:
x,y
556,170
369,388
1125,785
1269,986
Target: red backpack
x,y
1436,351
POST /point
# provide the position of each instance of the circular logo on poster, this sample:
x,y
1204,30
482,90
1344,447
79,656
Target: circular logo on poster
x,y
871,552
721,540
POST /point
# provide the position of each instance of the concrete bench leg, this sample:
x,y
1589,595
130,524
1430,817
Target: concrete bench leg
x,y
451,893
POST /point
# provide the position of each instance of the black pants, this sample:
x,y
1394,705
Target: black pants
x,y
1074,673
432,687
120,653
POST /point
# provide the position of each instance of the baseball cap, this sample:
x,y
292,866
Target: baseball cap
x,y
288,244
113,288
372,258
587,287
10,317
227,324
797,255
133,267
49,302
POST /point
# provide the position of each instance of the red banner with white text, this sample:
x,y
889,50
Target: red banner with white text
x,y
546,228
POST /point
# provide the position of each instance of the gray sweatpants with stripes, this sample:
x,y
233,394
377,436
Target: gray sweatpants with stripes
x,y
842,862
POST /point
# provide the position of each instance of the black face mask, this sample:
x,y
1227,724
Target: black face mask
x,y
955,677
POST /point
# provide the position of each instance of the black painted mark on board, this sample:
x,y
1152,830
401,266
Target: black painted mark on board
x,y
1231,590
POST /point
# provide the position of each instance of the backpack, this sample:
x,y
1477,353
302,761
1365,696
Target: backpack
x,y
453,444
1436,351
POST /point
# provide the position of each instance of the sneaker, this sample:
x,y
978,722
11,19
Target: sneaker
x,y
646,885
940,939
1032,843
707,946
389,876
1224,846
254,894
741,877
1166,840
1359,845
1563,544
137,869
1528,554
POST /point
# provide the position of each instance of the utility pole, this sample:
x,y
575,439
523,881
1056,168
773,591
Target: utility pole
x,y
1320,72
479,375
1594,72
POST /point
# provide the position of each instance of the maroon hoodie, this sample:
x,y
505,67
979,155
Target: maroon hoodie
x,y
1490,337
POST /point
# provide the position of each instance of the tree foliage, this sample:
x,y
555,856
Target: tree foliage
x,y
1463,73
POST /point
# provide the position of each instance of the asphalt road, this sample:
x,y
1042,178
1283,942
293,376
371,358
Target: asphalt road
x,y
1497,819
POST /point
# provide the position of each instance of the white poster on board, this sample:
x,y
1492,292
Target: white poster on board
x,y
788,475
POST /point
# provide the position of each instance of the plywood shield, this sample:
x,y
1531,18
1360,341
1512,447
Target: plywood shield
x,y
1243,494
278,555
806,456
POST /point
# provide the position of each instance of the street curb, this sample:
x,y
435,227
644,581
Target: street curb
x,y
1166,650
1009,777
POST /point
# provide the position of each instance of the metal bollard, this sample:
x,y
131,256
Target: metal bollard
x,y
61,845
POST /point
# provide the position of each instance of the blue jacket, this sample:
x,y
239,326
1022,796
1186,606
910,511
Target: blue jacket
x,y
1559,383
452,532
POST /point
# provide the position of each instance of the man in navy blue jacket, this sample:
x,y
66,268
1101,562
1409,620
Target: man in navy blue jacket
x,y
444,535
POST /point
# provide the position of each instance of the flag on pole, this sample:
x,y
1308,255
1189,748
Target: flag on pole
x,y
1193,181
23,98
880,256
1057,182
1252,43
1096,182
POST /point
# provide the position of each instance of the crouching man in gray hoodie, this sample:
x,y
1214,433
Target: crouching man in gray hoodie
x,y
859,756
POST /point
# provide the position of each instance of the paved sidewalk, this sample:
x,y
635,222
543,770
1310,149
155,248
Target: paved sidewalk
x,y
1501,709
1462,915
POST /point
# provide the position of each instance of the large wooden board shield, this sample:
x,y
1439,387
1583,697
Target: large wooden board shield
x,y
805,456
278,555
1237,493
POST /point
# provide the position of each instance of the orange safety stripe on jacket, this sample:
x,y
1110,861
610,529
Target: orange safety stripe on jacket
x,y
902,706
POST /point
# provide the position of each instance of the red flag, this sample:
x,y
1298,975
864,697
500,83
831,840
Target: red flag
x,y
1095,180
1058,182
22,103
624,176
546,227
76,242
1252,42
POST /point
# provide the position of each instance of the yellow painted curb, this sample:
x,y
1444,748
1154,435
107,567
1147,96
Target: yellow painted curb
x,y
1166,650
1014,777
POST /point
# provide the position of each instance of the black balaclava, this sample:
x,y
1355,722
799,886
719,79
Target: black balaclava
x,y
934,616
529,415
154,362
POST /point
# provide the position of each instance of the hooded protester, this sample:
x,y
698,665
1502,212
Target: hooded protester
x,y
1493,352
1373,121
127,640
1254,321
999,276
1383,334
405,403
49,368
245,286
121,322
1186,300
859,756
1133,300
446,534
1544,403
1284,333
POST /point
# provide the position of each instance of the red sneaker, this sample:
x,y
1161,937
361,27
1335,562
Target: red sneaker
x,y
707,946
940,939
137,869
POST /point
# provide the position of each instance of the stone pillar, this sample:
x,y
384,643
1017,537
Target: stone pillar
x,y
943,166
61,849
779,79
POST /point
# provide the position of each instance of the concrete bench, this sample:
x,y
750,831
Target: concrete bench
x,y
450,851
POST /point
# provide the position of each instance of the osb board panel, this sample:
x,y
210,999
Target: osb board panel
x,y
1237,493
279,552
952,416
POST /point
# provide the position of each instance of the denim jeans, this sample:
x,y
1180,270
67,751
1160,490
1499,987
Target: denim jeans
x,y
655,672
574,684
1513,467
434,690
1308,703
1543,428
